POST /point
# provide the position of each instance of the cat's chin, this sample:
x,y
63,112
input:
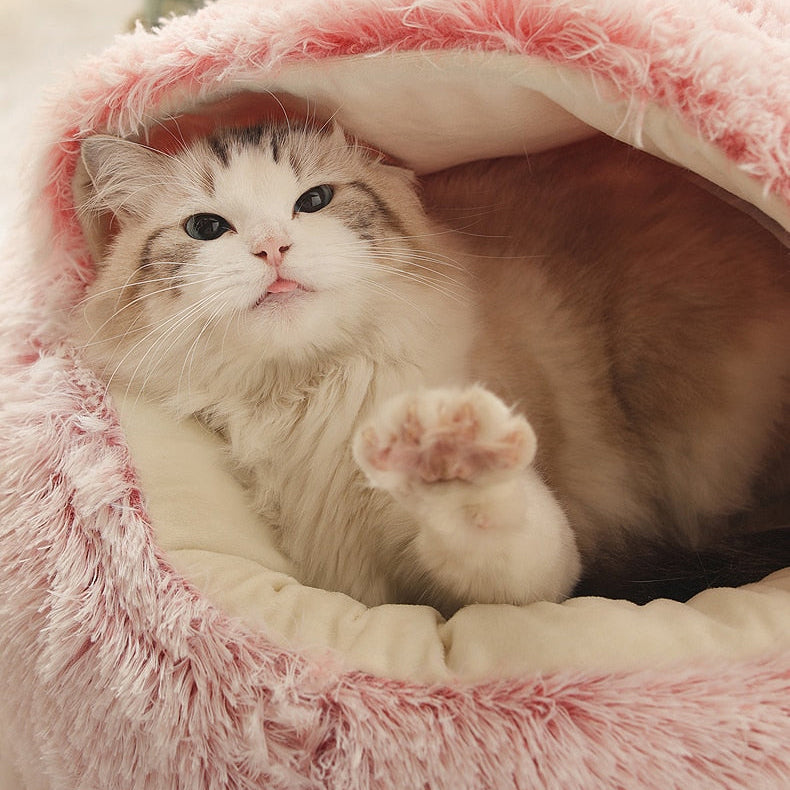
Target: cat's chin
x,y
289,325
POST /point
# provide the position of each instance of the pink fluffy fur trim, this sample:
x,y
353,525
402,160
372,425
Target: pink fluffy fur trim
x,y
116,673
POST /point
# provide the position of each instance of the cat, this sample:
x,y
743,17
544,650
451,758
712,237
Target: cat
x,y
492,385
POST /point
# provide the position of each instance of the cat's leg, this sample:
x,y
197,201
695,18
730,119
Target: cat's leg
x,y
489,529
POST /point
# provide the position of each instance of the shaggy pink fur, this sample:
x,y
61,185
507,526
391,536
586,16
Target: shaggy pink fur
x,y
116,673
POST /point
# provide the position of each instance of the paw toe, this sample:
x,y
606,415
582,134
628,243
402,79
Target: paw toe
x,y
442,435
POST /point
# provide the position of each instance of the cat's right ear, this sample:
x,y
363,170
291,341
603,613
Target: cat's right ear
x,y
126,176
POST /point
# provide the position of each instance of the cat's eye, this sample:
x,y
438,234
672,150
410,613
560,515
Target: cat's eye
x,y
314,199
206,227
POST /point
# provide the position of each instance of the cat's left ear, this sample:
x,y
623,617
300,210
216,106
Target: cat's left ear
x,y
337,135
126,176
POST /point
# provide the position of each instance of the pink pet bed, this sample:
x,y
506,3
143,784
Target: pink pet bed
x,y
151,636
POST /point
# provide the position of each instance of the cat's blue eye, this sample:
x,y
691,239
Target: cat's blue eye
x,y
206,227
314,199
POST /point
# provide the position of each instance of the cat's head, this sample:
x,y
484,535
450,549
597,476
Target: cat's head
x,y
259,243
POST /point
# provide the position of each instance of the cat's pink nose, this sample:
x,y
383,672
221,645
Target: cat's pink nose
x,y
273,249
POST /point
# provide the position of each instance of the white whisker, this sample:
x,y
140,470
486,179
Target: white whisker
x,y
442,285
189,357
137,300
173,321
381,288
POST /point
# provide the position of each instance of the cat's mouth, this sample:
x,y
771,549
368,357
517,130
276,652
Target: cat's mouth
x,y
281,290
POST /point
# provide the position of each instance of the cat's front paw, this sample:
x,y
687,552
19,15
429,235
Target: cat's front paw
x,y
485,527
443,435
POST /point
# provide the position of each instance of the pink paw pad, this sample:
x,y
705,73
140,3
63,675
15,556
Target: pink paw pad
x,y
448,435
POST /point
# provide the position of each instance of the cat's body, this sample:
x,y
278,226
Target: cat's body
x,y
330,327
